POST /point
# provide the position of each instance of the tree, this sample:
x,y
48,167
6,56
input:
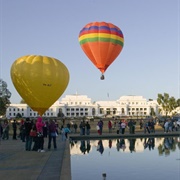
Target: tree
x,y
5,94
22,101
152,113
4,103
60,114
168,103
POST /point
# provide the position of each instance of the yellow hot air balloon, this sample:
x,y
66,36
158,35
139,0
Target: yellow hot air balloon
x,y
40,80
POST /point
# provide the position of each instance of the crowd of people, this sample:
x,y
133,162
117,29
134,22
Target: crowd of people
x,y
33,132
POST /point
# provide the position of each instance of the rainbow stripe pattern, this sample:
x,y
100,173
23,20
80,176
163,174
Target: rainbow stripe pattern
x,y
101,32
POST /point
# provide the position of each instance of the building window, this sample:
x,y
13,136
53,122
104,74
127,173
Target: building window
x,y
68,109
86,109
81,109
72,109
122,110
145,109
77,109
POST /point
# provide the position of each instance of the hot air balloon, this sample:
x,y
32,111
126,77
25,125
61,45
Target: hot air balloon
x,y
40,80
102,42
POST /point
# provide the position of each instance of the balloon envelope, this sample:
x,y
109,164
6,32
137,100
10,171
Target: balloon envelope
x,y
102,42
40,80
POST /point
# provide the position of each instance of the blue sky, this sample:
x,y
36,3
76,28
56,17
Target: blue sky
x,y
148,64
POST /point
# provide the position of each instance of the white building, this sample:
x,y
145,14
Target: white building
x,y
80,105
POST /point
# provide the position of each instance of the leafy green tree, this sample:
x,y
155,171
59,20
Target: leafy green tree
x,y
22,101
178,102
4,104
168,103
152,113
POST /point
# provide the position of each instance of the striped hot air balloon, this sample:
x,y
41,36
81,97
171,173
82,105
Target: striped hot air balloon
x,y
102,42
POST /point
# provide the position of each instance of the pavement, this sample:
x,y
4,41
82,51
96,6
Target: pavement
x,y
18,164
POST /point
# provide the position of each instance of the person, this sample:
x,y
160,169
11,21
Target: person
x,y
52,133
45,129
152,126
119,125
98,129
82,127
147,126
34,137
64,133
5,127
141,123
170,125
88,127
175,125
123,126
110,126
57,126
1,130
166,126
133,127
75,127
28,127
100,124
40,137
22,130
130,125
14,126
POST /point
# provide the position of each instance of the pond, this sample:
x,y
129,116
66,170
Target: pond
x,y
137,159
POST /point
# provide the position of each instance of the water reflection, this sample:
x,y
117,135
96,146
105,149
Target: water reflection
x,y
100,146
136,158
149,143
132,145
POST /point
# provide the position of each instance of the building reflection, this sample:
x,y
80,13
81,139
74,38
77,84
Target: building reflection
x,y
164,145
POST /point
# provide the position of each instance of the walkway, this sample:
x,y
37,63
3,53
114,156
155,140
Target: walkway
x,y
18,164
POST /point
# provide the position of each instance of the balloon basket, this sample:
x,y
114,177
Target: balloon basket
x,y
102,77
